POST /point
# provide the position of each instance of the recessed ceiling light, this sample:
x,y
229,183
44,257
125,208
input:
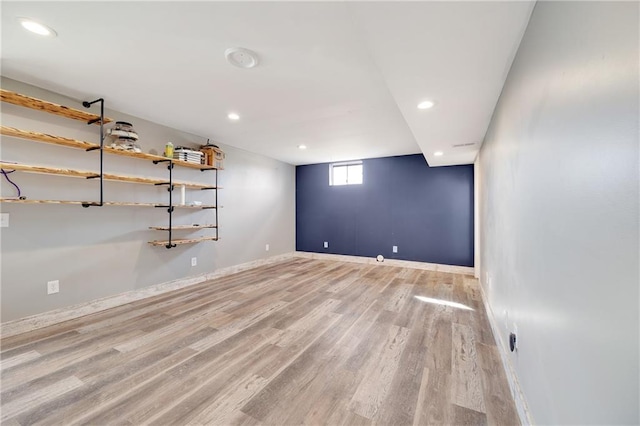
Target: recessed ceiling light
x,y
233,116
438,153
241,57
36,27
302,147
426,105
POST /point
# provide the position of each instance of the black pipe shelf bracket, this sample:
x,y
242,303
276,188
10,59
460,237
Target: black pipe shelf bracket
x,y
169,187
216,203
101,148
169,207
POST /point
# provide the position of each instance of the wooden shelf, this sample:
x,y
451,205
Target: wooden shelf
x,y
106,203
151,157
86,174
74,143
47,170
183,241
40,105
192,165
187,206
181,227
43,137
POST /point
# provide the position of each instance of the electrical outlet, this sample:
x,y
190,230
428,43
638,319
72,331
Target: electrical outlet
x,y
395,249
266,247
4,220
194,261
53,287
326,244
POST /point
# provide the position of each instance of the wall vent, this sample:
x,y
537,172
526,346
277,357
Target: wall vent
x,y
460,145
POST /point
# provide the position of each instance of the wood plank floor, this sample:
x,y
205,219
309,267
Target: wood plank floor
x,y
299,342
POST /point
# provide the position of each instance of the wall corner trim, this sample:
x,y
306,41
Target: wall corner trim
x,y
514,385
45,319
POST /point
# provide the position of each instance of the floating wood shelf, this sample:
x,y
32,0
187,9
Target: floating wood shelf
x,y
185,241
73,143
88,174
40,105
181,227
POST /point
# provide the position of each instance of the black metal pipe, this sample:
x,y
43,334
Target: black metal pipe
x,y
101,151
170,189
170,167
216,203
88,105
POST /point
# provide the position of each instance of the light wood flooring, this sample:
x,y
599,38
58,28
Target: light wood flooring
x,y
299,342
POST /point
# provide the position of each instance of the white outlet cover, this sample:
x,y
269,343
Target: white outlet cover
x,y
4,220
326,244
53,287
266,247
395,249
194,261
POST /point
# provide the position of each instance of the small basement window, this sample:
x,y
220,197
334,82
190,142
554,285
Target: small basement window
x,y
349,173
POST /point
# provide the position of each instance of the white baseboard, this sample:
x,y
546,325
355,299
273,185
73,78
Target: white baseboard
x,y
512,378
389,262
33,322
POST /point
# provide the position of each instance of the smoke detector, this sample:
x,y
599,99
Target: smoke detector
x,y
241,57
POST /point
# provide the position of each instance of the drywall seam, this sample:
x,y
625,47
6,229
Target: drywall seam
x,y
466,270
34,322
514,384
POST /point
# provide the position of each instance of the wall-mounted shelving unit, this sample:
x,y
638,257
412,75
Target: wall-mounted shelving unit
x,y
89,118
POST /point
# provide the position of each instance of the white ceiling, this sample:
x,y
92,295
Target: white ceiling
x,y
342,78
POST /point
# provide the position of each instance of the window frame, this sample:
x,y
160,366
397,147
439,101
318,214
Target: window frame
x,y
346,165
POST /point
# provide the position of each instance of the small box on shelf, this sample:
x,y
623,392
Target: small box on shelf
x,y
213,156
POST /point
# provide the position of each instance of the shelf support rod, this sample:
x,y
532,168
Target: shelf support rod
x,y
101,120
216,203
170,167
170,209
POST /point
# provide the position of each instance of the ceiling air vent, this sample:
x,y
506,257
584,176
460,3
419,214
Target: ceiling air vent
x,y
461,145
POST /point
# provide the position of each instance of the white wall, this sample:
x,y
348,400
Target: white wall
x,y
559,213
102,251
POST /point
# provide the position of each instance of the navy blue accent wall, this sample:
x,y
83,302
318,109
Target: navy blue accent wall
x,y
427,212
